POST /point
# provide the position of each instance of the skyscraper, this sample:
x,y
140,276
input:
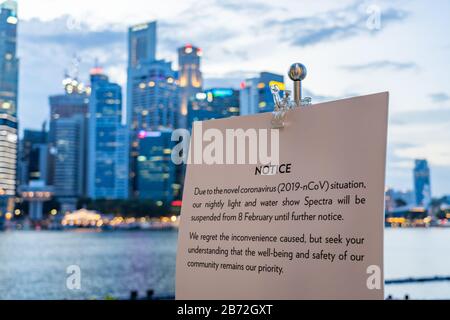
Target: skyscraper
x,y
256,96
152,95
141,44
33,156
70,163
214,103
190,78
9,65
74,101
422,186
157,174
108,141
68,134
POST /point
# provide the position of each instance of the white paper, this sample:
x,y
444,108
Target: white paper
x,y
341,144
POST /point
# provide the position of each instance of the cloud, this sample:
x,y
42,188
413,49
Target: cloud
x,y
69,34
428,115
438,153
382,64
66,38
247,6
231,79
422,135
46,50
318,98
439,97
338,24
172,36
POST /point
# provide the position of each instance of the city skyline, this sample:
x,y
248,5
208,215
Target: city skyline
x,y
417,121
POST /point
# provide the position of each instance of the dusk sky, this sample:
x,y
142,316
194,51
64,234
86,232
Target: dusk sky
x,y
349,47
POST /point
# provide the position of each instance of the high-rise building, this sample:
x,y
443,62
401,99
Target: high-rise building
x,y
141,44
33,154
422,186
152,93
9,65
256,95
33,171
70,160
156,173
213,103
67,142
153,98
107,142
74,101
190,78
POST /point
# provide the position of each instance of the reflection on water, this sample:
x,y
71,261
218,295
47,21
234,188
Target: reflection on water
x,y
417,253
33,264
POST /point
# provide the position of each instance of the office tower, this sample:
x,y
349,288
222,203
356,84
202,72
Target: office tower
x,y
33,154
156,173
256,96
33,171
9,65
70,160
152,95
67,143
107,142
74,101
190,78
422,186
213,103
141,44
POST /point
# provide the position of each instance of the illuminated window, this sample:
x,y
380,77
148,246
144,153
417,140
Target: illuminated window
x,y
6,105
11,20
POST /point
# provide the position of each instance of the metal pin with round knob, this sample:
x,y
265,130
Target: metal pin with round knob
x,y
297,72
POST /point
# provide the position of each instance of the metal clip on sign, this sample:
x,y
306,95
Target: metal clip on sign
x,y
297,72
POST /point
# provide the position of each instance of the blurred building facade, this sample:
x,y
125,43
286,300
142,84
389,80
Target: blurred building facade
x,y
255,94
33,160
9,72
422,186
214,103
108,138
399,198
157,174
190,79
152,92
68,143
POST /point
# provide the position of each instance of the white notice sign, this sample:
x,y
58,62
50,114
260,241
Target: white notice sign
x,y
309,225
